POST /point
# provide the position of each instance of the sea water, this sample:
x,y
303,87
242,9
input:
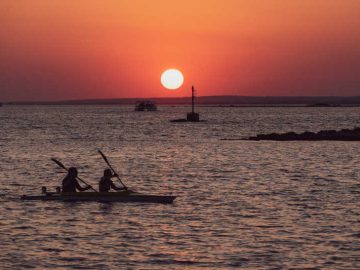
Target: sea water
x,y
240,204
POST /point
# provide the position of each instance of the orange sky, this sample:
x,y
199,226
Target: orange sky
x,y
55,50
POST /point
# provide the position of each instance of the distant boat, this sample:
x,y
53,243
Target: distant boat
x,y
145,106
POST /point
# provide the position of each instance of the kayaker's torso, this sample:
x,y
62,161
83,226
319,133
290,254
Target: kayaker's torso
x,y
70,184
106,184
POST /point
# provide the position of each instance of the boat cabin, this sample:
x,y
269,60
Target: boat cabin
x,y
146,105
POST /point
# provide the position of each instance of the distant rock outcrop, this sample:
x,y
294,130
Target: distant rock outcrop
x,y
323,135
323,105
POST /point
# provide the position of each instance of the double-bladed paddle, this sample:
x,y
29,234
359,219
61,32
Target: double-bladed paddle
x,y
111,168
63,166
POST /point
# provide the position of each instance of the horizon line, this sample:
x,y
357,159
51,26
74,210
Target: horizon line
x,y
168,98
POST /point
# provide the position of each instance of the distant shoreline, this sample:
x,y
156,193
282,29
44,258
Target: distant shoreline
x,y
215,101
185,105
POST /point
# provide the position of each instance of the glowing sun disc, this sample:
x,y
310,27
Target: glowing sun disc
x,y
172,79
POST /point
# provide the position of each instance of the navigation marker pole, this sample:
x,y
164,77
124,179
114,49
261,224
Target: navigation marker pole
x,y
193,99
193,116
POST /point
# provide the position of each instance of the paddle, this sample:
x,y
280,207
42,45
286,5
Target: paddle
x,y
62,166
111,168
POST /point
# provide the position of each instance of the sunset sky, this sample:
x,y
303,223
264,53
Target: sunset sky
x,y
84,49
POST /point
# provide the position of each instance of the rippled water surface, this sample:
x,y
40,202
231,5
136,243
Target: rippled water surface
x,y
240,204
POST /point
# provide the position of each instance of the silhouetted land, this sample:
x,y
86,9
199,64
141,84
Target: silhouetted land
x,y
228,101
323,135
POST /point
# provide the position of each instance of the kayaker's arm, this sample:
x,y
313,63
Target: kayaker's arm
x,y
112,185
78,187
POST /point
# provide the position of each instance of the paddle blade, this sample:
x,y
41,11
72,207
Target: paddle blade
x,y
59,163
103,156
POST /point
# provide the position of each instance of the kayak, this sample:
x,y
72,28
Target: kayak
x,y
122,196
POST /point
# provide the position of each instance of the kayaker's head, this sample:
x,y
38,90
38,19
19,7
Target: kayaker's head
x,y
72,172
107,173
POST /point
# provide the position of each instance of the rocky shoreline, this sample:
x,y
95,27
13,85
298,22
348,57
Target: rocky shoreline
x,y
323,135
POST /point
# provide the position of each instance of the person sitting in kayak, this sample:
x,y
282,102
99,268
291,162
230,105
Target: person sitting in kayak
x,y
106,183
70,184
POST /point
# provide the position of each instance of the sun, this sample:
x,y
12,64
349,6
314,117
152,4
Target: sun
x,y
172,79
